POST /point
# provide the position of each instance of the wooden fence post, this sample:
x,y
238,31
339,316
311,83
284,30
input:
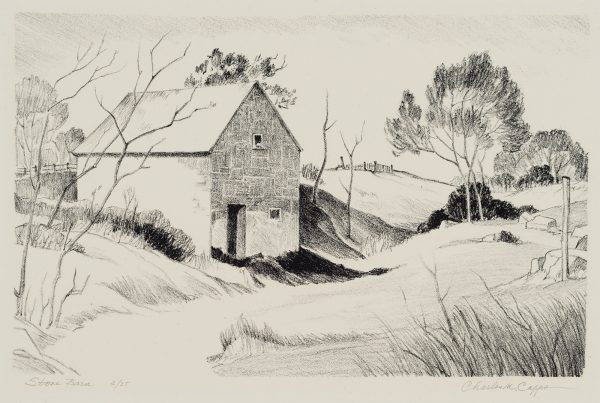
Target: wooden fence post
x,y
566,182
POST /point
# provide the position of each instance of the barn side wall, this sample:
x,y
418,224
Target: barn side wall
x,y
177,186
260,179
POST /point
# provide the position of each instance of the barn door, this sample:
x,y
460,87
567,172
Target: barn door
x,y
236,230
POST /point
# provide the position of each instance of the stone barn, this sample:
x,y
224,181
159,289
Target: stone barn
x,y
228,176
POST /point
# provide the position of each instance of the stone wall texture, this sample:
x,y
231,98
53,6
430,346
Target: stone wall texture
x,y
260,179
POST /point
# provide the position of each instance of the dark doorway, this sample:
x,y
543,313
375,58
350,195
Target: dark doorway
x,y
236,230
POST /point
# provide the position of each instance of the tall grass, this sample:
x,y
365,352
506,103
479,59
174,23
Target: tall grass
x,y
246,330
377,243
496,340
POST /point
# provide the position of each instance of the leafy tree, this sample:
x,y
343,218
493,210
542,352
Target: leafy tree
x,y
541,175
553,148
504,180
472,105
231,68
60,146
537,175
39,114
515,163
580,162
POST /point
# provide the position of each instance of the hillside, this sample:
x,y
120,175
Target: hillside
x,y
544,197
323,228
400,198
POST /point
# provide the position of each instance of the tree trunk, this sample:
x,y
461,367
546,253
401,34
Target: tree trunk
x,y
26,242
316,187
478,196
479,206
350,199
468,196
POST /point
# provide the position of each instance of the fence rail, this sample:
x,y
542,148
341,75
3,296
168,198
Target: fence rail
x,y
50,168
368,166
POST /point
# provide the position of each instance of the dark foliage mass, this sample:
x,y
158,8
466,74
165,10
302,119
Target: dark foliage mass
x,y
220,68
508,237
455,208
537,176
434,220
150,226
155,230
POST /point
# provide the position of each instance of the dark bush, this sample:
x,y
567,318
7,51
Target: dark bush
x,y
500,209
456,208
537,176
527,208
154,229
151,226
434,221
457,201
508,237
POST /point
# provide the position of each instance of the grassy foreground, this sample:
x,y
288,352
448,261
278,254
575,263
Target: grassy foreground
x,y
496,337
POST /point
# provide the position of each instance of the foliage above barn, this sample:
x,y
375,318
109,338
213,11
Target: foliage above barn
x,y
221,68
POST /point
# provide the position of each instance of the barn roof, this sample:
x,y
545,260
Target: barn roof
x,y
195,135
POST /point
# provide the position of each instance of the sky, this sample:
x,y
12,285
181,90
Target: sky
x,y
364,63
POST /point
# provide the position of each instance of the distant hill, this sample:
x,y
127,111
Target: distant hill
x,y
544,197
401,199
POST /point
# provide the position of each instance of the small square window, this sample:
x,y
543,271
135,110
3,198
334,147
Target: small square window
x,y
257,141
275,213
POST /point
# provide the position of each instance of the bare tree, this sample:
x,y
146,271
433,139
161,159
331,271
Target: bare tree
x,y
350,152
118,175
326,127
39,109
73,291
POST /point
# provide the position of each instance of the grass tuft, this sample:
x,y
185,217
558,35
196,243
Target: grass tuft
x,y
496,340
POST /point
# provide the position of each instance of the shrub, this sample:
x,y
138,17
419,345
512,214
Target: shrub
x,y
500,209
456,209
456,206
150,226
153,228
537,175
527,208
434,221
508,237
45,238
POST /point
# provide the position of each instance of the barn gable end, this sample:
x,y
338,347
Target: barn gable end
x,y
263,178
